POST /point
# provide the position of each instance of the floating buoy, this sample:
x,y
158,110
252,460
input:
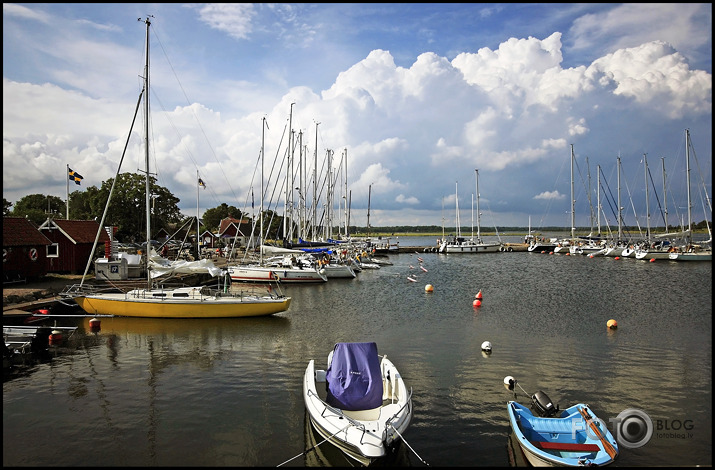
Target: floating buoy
x,y
487,346
612,324
551,252
618,257
479,295
429,288
420,259
509,382
411,279
55,337
423,268
652,260
477,303
94,325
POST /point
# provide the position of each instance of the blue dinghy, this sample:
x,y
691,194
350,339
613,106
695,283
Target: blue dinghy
x,y
574,437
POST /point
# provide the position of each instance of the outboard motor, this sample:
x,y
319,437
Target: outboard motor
x,y
541,405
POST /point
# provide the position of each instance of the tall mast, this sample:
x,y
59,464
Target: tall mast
x,y
479,236
573,202
620,208
260,236
665,196
687,172
315,182
146,154
647,202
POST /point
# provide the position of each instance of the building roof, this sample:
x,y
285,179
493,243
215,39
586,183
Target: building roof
x,y
230,226
77,231
18,231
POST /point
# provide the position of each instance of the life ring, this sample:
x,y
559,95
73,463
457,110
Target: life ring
x,y
32,254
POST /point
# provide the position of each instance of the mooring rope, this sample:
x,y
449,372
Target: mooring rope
x,y
408,445
315,446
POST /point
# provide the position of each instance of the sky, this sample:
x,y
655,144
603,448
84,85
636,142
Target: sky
x,y
412,106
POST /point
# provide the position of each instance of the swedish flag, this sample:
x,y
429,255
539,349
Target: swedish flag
x,y
74,176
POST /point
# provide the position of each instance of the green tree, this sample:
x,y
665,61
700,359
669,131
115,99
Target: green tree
x,y
37,207
127,209
6,207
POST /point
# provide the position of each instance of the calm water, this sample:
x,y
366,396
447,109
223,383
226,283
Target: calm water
x,y
146,392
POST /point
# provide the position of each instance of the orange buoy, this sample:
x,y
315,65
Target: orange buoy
x,y
612,324
477,303
479,295
618,257
429,288
652,260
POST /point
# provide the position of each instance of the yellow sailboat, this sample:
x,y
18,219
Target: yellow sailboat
x,y
174,302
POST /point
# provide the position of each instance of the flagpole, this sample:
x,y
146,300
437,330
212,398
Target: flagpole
x,y
67,193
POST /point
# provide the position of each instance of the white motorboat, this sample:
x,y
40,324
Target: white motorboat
x,y
362,405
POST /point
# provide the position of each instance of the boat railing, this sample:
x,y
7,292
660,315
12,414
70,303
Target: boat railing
x,y
398,413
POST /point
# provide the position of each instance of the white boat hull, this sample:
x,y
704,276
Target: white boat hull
x,y
364,436
273,274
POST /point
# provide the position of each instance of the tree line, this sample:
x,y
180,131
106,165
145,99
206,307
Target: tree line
x,y
127,212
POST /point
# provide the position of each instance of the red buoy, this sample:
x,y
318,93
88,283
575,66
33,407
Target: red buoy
x,y
55,337
94,325
477,303
479,295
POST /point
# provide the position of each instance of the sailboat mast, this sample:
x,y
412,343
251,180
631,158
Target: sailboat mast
x,y
146,154
369,195
665,195
620,208
647,202
479,230
687,173
573,202
315,183
457,230
260,236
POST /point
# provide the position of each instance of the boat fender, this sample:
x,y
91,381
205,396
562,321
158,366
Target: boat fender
x,y
501,248
511,249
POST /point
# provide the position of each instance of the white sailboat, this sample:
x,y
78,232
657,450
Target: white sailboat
x,y
693,251
283,267
179,302
458,244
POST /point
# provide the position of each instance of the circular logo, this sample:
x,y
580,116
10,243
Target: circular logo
x,y
634,428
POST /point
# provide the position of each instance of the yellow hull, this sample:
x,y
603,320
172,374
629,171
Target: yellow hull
x,y
127,306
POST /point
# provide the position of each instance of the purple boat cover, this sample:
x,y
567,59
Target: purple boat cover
x,y
354,377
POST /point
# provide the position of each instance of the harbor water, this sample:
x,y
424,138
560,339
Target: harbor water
x,y
158,392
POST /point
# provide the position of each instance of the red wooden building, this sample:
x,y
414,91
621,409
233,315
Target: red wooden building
x,y
24,250
72,242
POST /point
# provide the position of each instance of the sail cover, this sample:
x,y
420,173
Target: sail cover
x,y
354,378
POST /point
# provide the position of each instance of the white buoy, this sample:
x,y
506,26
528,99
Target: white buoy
x,y
487,346
509,382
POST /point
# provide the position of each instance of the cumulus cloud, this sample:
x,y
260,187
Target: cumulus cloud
x,y
408,132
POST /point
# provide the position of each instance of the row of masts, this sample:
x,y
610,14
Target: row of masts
x,y
686,229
